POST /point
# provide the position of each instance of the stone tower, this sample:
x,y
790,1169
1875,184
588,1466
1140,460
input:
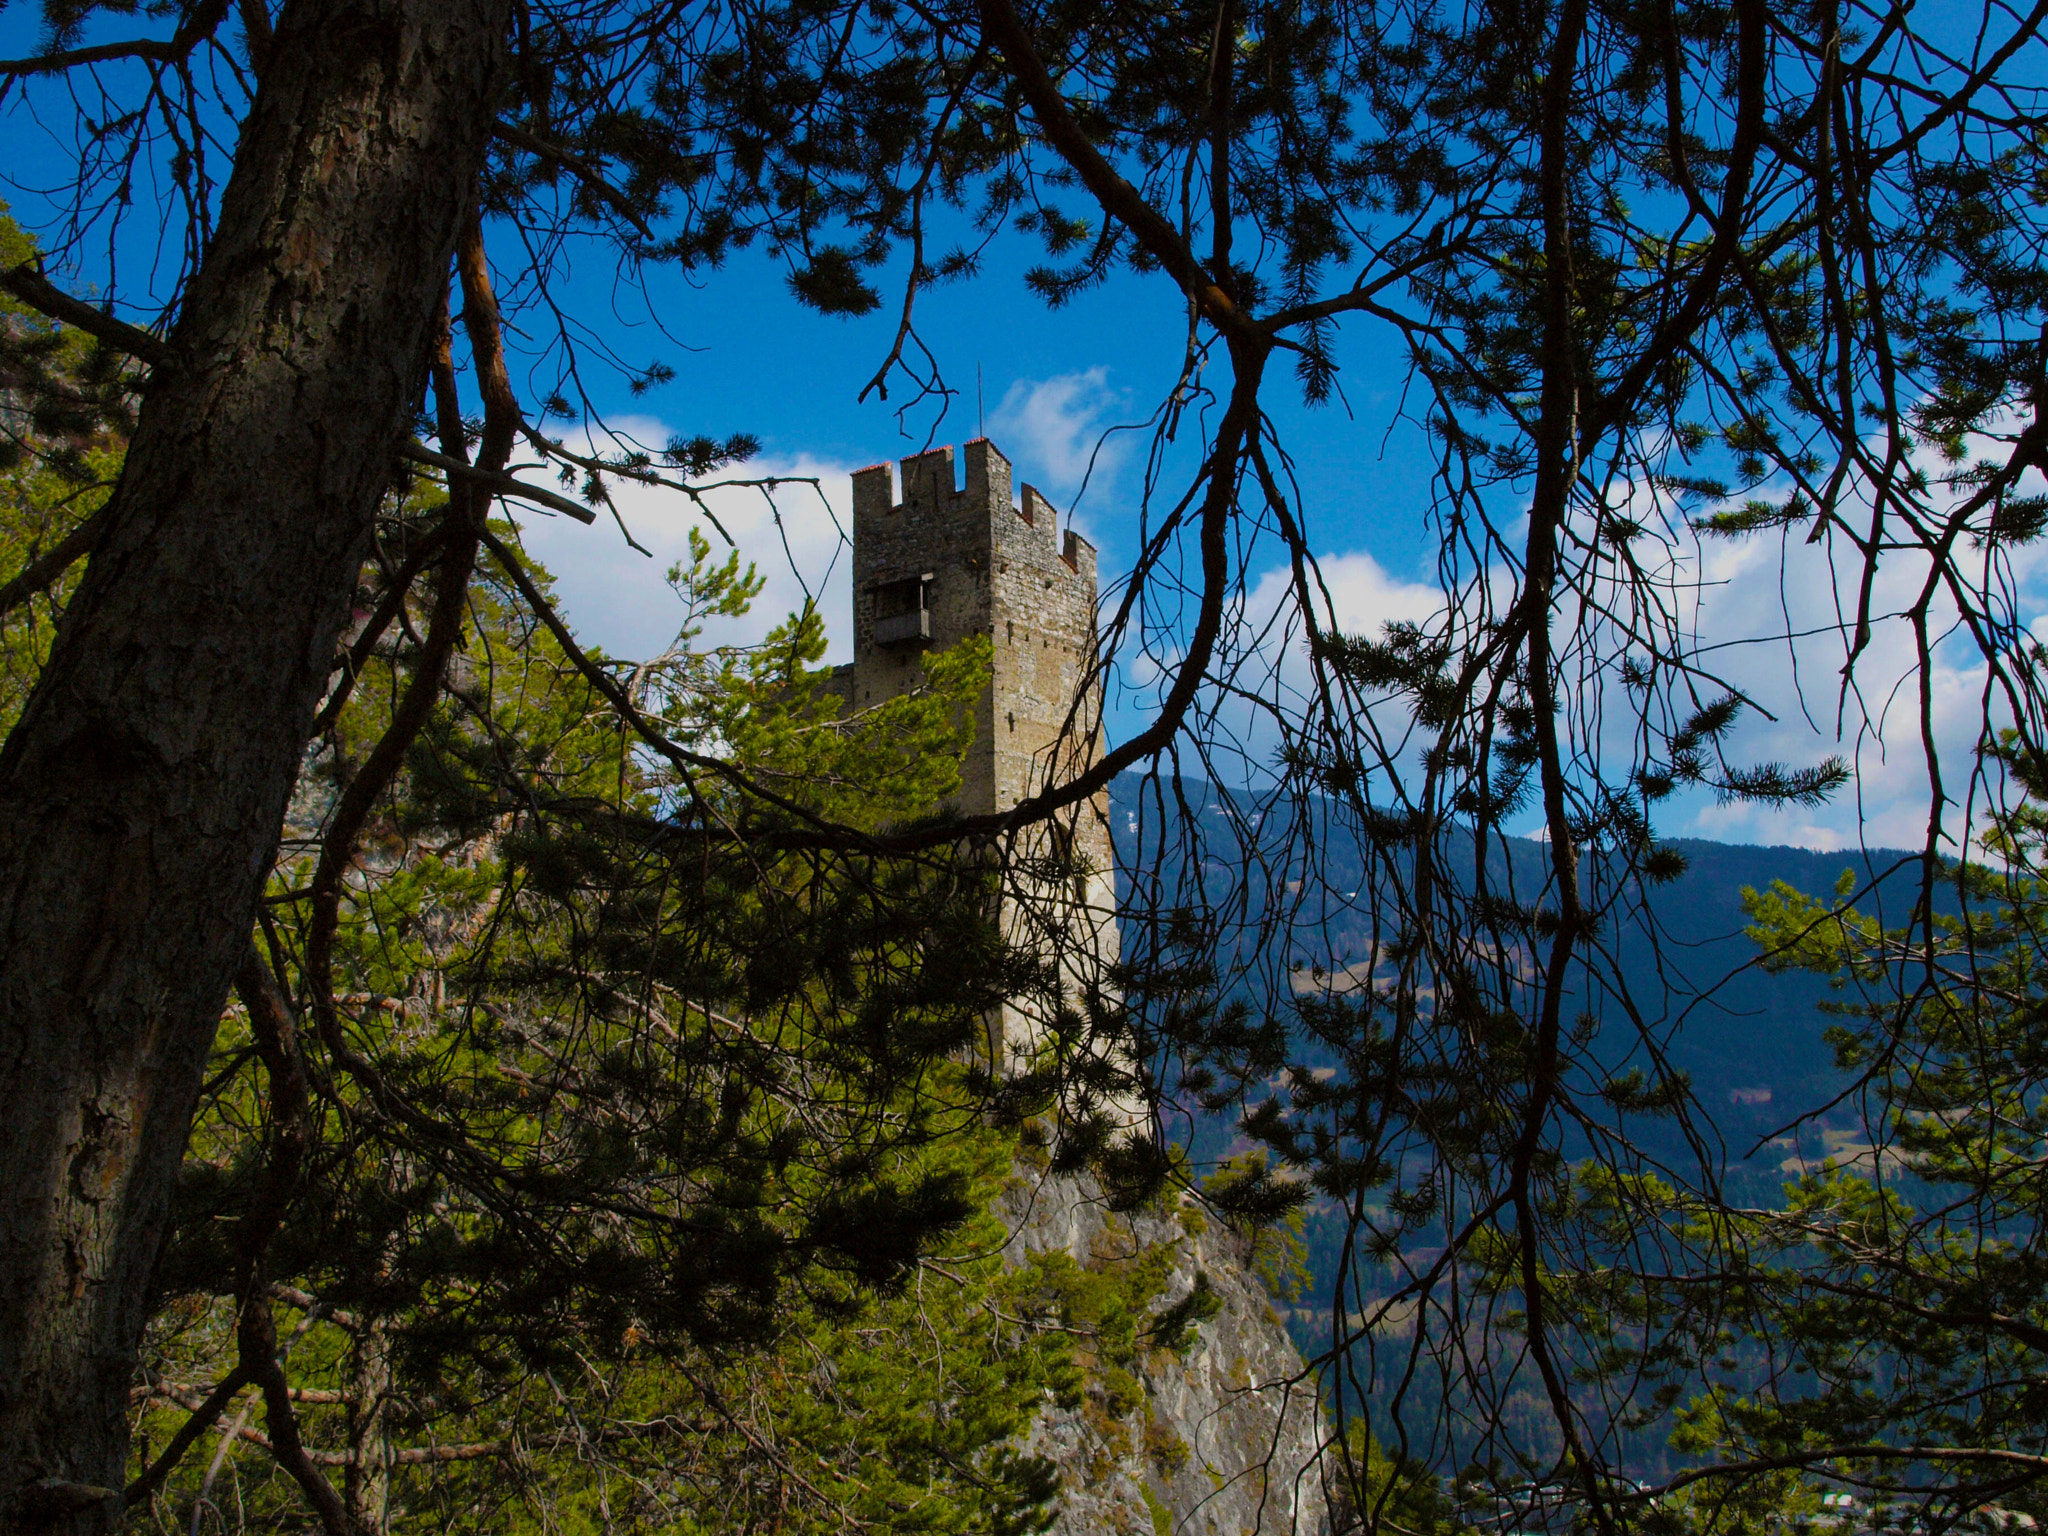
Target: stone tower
x,y
935,561
939,562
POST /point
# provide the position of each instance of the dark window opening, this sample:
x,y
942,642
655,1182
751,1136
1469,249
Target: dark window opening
x,y
901,614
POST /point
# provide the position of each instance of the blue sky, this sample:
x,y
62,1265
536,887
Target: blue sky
x,y
1046,386
1049,384
1053,382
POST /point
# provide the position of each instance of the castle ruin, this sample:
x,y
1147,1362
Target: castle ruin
x,y
940,561
935,560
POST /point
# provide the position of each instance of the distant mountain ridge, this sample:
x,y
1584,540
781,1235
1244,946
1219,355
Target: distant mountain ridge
x,y
1752,1042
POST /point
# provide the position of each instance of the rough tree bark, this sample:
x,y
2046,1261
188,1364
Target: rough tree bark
x,y
141,794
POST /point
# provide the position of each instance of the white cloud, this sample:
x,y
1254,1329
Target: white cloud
x,y
1364,596
1054,426
1271,659
1774,621
1768,619
795,535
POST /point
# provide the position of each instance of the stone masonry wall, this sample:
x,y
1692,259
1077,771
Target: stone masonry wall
x,y
983,563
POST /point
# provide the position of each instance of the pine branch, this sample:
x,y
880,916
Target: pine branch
x,y
29,285
194,30
201,1416
40,572
583,170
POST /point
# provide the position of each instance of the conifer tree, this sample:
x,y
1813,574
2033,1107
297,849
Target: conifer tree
x,y
1661,274
562,1093
1883,1322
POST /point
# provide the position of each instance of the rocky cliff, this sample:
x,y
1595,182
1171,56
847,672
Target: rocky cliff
x,y
1203,1420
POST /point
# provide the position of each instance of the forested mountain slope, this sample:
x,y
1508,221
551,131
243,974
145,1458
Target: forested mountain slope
x,y
1752,1041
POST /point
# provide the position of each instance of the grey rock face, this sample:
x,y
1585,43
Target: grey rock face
x,y
1225,1441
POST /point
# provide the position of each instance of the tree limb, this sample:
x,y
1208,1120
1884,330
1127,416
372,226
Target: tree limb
x,y
583,170
466,516
47,567
256,1335
502,484
1119,199
380,620
194,30
195,1425
29,285
1558,455
1998,1455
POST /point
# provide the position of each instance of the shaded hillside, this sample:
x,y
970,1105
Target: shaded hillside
x,y
1752,1042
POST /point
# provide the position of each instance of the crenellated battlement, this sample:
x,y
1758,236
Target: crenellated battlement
x,y
938,556
933,499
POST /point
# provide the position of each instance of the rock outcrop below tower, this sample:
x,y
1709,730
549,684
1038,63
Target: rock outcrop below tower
x,y
1220,1439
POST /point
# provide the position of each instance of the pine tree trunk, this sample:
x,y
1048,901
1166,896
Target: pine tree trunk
x,y
140,796
367,1484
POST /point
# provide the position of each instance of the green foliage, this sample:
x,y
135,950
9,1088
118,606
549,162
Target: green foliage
x,y
58,458
1894,1298
1376,1491
1269,1209
1176,1325
637,1142
42,504
1107,1309
1106,1305
893,1411
65,397
771,711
